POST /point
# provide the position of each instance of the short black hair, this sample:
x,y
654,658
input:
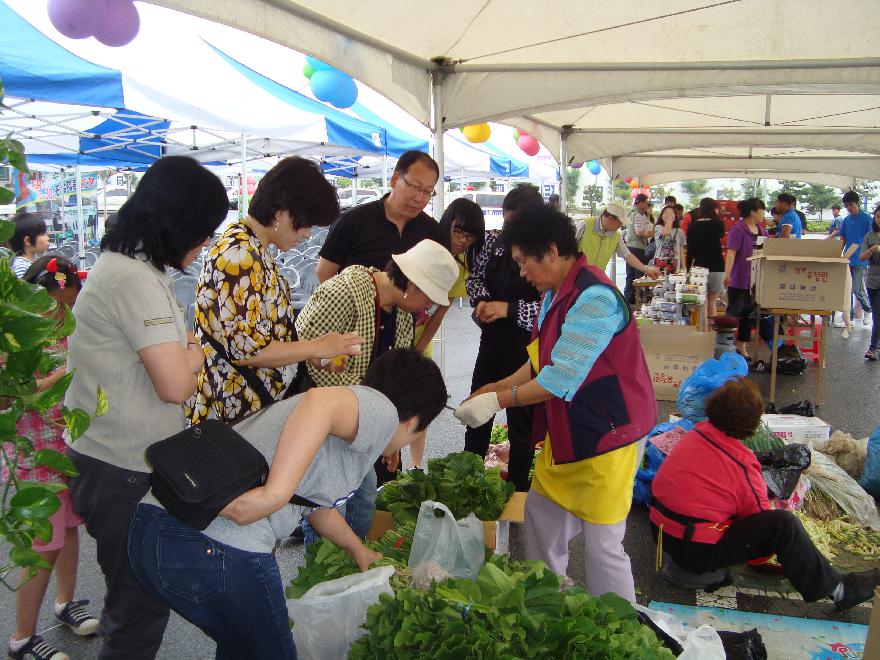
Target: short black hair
x,y
411,381
27,225
464,215
177,206
298,186
38,273
520,195
851,197
670,200
708,208
835,206
749,206
409,158
396,275
641,197
785,198
536,227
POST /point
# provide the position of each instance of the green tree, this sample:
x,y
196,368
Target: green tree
x,y
659,192
796,188
572,180
592,196
752,188
620,192
343,182
695,189
867,191
817,198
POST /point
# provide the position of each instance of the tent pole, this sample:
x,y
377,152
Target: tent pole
x,y
354,185
384,173
563,163
439,200
611,175
79,220
243,193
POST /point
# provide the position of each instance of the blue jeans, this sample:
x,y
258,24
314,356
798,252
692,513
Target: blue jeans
x,y
235,597
858,291
358,511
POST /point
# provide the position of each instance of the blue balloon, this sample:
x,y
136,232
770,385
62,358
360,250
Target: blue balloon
x,y
594,167
318,65
334,87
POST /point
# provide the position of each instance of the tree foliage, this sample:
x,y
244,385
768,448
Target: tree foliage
x,y
695,189
572,180
591,197
817,198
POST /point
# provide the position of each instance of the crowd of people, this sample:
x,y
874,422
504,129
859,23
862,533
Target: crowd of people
x,y
331,394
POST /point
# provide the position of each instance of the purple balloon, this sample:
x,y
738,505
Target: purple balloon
x,y
120,23
76,19
577,165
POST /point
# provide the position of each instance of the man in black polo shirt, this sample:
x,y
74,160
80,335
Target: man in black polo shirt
x,y
369,234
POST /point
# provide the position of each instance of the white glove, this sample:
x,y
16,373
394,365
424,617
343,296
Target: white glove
x,y
479,410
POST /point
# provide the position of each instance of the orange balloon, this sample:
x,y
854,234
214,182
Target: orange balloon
x,y
633,184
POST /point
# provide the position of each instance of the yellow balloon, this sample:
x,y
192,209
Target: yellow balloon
x,y
477,132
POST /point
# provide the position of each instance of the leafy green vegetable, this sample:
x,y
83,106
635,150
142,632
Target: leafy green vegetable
x,y
499,434
512,610
460,481
325,561
763,439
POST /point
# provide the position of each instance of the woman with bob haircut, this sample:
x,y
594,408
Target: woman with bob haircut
x,y
243,313
320,444
463,230
130,340
710,510
377,306
587,381
30,240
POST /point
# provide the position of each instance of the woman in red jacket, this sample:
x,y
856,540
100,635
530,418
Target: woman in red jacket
x,y
710,508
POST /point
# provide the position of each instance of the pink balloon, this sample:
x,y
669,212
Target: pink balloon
x,y
528,144
76,19
634,193
119,25
646,191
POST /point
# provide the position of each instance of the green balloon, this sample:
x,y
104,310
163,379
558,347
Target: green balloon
x,y
308,70
515,134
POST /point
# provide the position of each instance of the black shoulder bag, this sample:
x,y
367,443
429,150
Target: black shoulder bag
x,y
200,470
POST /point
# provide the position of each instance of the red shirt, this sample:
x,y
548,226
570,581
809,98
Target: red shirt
x,y
718,480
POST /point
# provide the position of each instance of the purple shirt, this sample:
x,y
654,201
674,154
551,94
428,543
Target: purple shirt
x,y
742,240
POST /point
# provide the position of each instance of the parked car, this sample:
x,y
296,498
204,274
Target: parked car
x,y
364,195
489,201
232,194
112,200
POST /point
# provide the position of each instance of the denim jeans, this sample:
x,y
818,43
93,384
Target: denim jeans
x,y
358,511
235,597
858,291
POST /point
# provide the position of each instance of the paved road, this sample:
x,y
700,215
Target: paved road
x,y
852,388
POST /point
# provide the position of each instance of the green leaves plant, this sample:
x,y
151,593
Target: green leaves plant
x,y
59,462
76,420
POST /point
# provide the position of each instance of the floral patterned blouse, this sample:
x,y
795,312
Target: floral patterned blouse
x,y
244,302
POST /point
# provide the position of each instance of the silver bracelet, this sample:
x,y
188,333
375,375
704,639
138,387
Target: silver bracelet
x,y
513,395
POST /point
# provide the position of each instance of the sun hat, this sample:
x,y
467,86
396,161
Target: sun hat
x,y
617,211
431,267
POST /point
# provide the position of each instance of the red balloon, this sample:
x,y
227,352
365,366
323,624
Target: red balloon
x,y
528,144
119,25
628,179
76,19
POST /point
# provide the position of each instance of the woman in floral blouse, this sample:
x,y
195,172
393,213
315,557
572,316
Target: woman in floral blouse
x,y
244,319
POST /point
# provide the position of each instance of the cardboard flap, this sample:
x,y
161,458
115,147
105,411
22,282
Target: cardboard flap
x,y
678,336
817,260
805,248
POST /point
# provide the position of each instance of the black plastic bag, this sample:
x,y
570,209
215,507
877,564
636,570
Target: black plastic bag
x,y
747,645
782,468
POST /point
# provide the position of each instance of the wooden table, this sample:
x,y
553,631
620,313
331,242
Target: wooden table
x,y
642,289
791,319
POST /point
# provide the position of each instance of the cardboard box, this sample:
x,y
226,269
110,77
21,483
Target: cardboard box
x,y
794,428
672,353
495,532
800,274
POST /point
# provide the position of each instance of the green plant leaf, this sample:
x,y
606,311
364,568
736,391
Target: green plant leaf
x,y
59,462
34,298
42,529
48,398
26,557
53,487
35,502
6,197
101,408
24,364
77,421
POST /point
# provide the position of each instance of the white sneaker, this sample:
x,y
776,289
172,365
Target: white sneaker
x,y
839,323
866,320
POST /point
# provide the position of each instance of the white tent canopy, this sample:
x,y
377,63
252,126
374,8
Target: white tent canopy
x,y
755,72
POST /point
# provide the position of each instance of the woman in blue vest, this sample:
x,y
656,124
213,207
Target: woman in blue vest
x,y
593,403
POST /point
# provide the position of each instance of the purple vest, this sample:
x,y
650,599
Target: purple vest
x,y
615,404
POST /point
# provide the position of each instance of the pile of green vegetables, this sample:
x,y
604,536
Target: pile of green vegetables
x,y
512,610
460,481
499,434
763,439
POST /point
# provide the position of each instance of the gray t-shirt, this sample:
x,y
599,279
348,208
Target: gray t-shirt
x,y
872,278
125,305
336,471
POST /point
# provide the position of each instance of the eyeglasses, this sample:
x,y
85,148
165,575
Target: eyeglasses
x,y
428,192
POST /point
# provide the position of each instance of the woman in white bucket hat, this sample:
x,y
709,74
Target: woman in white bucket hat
x,y
379,306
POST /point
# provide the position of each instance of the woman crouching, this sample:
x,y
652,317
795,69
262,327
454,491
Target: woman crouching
x,y
320,445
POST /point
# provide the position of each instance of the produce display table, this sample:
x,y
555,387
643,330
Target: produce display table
x,y
794,325
642,288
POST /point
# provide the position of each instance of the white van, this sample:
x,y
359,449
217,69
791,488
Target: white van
x,y
364,195
489,201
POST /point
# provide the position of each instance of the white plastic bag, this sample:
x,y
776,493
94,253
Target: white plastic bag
x,y
830,478
328,617
443,547
702,643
